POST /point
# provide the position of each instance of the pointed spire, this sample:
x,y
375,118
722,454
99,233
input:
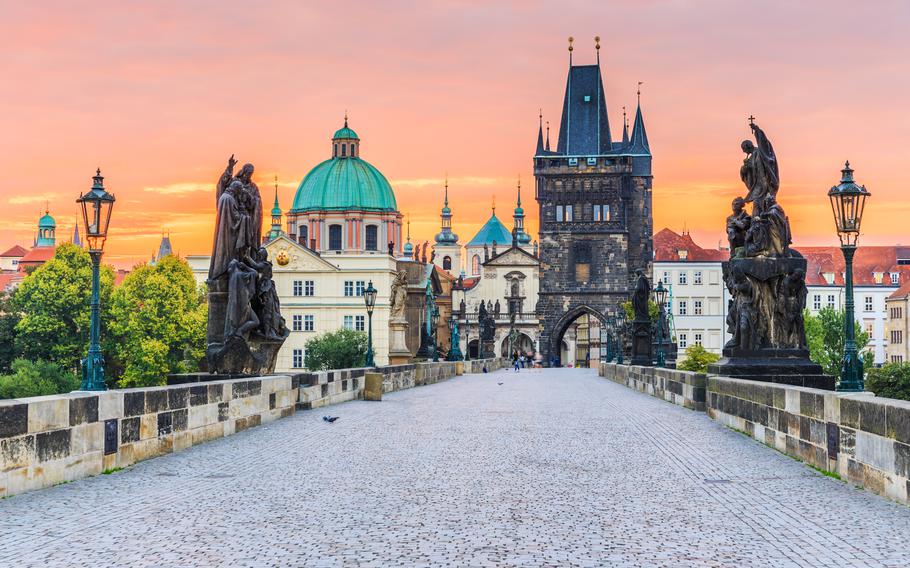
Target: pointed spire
x,y
540,146
447,190
639,135
276,191
571,39
76,239
494,204
519,190
625,128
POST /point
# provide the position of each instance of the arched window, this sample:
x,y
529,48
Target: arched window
x,y
352,149
335,152
475,265
344,150
302,238
334,237
447,263
515,287
372,235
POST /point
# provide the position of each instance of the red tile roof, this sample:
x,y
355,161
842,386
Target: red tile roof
x,y
667,245
903,291
15,251
37,256
6,280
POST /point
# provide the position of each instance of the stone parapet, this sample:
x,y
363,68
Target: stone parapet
x,y
54,439
683,388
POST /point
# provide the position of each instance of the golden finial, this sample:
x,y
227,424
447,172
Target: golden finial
x,y
597,43
571,39
345,118
494,204
638,92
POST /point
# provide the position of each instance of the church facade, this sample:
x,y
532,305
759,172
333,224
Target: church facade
x,y
594,197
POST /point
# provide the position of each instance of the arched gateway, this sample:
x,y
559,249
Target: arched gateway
x,y
595,210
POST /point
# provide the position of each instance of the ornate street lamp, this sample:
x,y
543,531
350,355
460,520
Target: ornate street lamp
x,y
96,216
620,329
660,295
847,202
455,347
369,298
608,325
433,337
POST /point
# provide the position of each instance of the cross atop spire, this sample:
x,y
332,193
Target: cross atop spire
x,y
345,118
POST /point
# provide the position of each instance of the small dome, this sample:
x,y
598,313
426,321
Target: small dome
x,y
446,238
47,222
345,133
492,231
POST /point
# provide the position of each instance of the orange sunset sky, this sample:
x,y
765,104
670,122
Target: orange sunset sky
x,y
159,94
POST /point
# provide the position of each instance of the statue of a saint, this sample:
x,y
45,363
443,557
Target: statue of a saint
x,y
399,296
737,225
231,238
791,302
253,202
778,227
640,297
759,170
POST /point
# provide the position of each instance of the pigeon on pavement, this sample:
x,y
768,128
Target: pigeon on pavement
x,y
330,419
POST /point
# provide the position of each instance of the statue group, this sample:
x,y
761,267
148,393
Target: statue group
x,y
766,280
245,326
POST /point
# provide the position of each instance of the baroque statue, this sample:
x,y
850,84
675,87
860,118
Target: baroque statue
x,y
766,280
245,326
399,296
640,296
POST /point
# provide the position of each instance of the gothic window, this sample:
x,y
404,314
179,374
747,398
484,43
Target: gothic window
x,y
447,263
334,237
475,265
372,238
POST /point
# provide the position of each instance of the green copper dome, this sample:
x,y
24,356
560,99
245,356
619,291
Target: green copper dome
x,y
345,132
492,231
342,184
47,222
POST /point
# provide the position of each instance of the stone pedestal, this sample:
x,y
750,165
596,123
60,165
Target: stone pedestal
x,y
784,366
486,349
372,386
642,353
399,354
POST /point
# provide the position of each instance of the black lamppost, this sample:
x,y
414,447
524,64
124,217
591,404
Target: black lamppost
x,y
369,298
96,216
620,328
660,295
847,202
608,326
435,321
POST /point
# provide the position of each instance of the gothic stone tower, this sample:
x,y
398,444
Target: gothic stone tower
x,y
595,210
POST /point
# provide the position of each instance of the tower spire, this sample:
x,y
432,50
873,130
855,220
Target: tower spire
x,y
625,128
519,190
447,190
276,230
540,146
639,135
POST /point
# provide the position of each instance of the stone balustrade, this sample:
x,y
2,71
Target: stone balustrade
x,y
49,440
862,438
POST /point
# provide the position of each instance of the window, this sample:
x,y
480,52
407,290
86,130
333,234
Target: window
x,y
335,236
696,278
298,287
352,149
297,322
359,323
868,328
682,340
600,212
475,265
15,261
348,287
309,288
897,358
447,263
897,313
372,239
697,339
895,278
683,277
349,322
816,302
591,161
666,278
568,213
344,150
697,307
897,336
830,300
301,238
360,286
308,323
867,303
297,358
682,307
559,213
582,261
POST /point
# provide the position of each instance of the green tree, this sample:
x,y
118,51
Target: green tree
x,y
340,349
825,338
158,323
9,318
892,380
53,305
697,359
36,378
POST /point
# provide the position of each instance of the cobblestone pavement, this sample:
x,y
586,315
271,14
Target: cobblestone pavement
x,y
538,468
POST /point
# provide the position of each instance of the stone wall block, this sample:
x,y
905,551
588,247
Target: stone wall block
x,y
791,401
83,409
134,403
872,416
902,459
17,452
130,430
199,395
832,408
897,423
156,400
48,413
110,405
13,418
178,398
52,445
87,438
874,450
199,416
148,426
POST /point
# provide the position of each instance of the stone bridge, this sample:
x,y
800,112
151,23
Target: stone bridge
x,y
554,467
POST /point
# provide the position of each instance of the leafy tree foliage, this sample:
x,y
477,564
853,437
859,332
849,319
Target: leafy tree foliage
x,y
36,378
9,318
158,323
825,337
653,310
697,359
340,349
892,380
53,306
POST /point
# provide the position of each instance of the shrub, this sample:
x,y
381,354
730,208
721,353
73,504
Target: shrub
x,y
892,380
340,349
36,378
697,359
